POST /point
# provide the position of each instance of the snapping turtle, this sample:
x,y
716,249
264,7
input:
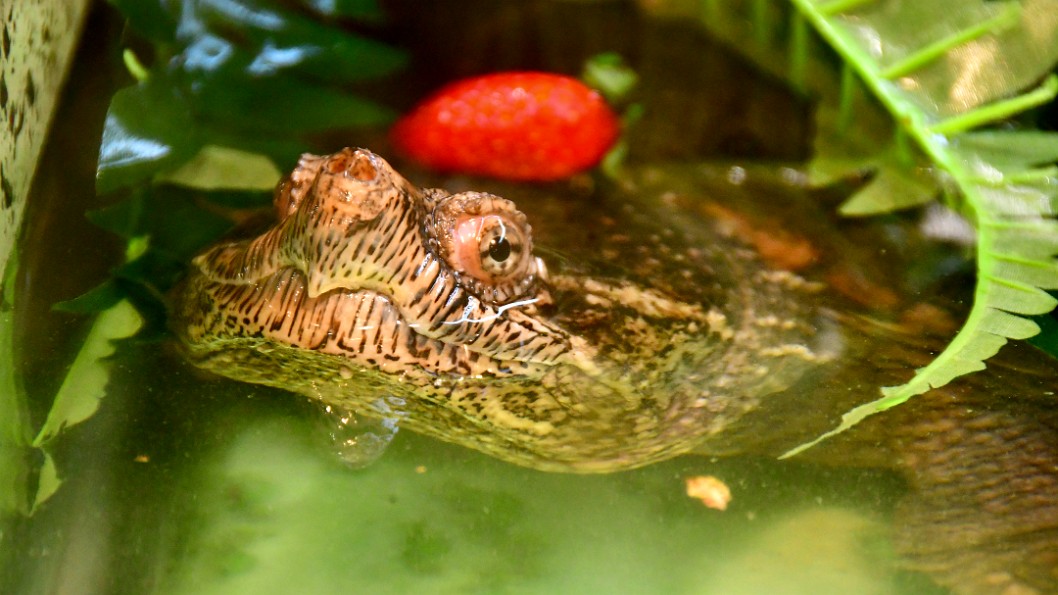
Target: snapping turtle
x,y
647,322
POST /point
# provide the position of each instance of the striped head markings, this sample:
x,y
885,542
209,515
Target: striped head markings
x,y
456,269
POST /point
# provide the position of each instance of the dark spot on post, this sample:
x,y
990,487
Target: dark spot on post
x,y
6,189
3,92
5,37
16,119
31,90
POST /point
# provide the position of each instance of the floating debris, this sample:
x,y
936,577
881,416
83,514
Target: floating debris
x,y
713,492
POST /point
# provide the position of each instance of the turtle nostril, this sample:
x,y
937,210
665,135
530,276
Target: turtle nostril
x,y
363,170
354,164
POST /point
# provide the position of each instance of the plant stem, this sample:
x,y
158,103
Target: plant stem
x,y
998,110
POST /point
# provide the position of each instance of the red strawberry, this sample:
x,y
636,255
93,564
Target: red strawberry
x,y
511,125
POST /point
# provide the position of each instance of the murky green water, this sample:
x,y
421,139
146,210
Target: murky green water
x,y
183,484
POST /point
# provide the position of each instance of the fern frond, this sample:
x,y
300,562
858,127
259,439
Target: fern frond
x,y
943,72
1006,178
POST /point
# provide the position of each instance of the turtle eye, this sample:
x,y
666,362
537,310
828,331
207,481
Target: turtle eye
x,y
487,242
500,248
489,248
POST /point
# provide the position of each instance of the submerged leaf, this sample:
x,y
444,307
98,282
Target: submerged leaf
x,y
85,382
165,226
15,431
890,190
99,298
48,482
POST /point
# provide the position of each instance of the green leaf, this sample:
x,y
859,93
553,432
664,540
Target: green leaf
x,y
294,107
101,297
165,226
48,482
108,293
281,40
85,383
1010,149
608,74
895,184
148,128
224,168
250,75
154,19
937,62
240,199
221,82
177,226
890,190
361,10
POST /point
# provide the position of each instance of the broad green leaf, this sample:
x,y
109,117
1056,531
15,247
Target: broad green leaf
x,y
240,199
154,19
165,226
149,128
224,168
251,75
361,10
108,293
283,149
295,108
281,40
177,226
85,383
219,80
